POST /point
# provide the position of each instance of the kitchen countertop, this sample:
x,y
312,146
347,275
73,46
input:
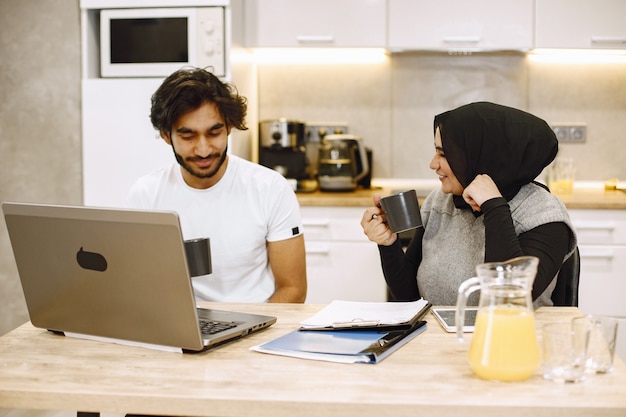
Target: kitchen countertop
x,y
363,197
585,195
358,198
594,198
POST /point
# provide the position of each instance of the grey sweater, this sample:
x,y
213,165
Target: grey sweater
x,y
454,240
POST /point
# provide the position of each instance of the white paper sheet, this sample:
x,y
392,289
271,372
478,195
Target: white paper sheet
x,y
346,313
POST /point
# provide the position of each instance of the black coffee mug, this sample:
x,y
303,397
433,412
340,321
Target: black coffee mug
x,y
402,211
198,252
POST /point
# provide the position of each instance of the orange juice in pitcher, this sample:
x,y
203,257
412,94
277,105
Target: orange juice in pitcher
x,y
511,356
504,345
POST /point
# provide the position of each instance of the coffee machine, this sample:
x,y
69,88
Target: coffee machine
x,y
343,163
282,148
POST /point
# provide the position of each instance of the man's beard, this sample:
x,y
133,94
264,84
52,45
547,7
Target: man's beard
x,y
183,163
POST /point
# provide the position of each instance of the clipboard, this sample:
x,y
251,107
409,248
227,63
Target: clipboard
x,y
357,346
352,315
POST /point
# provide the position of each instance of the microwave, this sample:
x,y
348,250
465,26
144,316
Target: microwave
x,y
155,42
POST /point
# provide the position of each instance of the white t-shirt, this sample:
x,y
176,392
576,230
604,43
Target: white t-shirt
x,y
249,206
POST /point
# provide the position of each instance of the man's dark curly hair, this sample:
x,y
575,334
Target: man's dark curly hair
x,y
189,88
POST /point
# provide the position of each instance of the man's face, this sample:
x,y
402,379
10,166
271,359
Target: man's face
x,y
199,139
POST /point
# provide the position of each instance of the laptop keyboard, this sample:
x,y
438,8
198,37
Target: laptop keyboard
x,y
213,326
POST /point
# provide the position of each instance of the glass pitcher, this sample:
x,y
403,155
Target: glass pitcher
x,y
504,345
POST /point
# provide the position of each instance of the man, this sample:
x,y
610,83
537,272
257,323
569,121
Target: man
x,y
249,212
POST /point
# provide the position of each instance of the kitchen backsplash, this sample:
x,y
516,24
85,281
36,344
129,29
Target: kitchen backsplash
x,y
391,105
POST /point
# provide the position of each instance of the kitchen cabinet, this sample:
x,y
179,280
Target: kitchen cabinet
x,y
119,143
342,264
449,25
315,23
580,24
602,242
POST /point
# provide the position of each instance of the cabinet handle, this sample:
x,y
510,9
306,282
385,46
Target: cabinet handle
x,y
597,256
316,223
608,39
594,226
315,38
461,39
317,251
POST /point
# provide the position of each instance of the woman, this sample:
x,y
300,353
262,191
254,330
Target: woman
x,y
488,207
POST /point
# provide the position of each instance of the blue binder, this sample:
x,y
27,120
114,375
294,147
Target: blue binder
x,y
345,346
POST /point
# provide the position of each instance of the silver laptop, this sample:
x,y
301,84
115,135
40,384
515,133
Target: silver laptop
x,y
114,273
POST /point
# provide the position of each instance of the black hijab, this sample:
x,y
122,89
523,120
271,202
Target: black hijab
x,y
508,144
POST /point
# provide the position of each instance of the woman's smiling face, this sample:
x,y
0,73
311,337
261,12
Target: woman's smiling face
x,y
439,164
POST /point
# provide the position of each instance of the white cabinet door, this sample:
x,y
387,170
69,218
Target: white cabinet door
x,y
602,242
344,271
460,25
333,223
602,286
342,264
315,23
580,24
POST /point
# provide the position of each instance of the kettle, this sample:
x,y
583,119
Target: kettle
x,y
504,345
342,162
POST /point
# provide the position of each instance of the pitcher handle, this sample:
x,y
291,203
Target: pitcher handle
x,y
365,167
465,289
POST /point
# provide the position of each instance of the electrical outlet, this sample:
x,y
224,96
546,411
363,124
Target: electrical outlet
x,y
562,133
570,132
578,134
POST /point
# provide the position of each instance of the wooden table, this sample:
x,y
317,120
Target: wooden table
x,y
429,377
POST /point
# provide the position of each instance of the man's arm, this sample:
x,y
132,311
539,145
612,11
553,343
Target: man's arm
x,y
287,260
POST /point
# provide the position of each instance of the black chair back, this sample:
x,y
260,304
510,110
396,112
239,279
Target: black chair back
x,y
565,293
